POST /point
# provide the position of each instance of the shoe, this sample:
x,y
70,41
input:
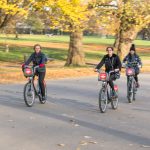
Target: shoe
x,y
43,98
108,101
137,85
114,95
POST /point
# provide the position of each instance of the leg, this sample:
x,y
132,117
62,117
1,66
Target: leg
x,y
136,79
111,84
112,77
41,83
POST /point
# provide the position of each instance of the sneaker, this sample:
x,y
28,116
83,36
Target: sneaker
x,y
137,85
43,98
114,95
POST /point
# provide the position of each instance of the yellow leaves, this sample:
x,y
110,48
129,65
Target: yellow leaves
x,y
12,7
69,14
132,13
66,14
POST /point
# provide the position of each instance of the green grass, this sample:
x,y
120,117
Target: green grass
x,y
17,53
64,39
35,38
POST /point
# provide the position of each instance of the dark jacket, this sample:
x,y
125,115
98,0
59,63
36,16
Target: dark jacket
x,y
37,59
133,58
111,63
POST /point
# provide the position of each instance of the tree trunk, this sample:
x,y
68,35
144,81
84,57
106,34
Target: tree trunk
x,y
116,43
125,40
75,53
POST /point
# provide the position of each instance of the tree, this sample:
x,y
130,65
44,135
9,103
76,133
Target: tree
x,y
125,18
35,21
72,16
133,16
9,9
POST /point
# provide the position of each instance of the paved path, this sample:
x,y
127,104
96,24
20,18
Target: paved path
x,y
71,117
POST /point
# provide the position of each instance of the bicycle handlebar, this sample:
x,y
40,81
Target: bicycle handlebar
x,y
34,67
116,70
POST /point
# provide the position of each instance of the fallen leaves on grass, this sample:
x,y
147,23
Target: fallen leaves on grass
x,y
60,73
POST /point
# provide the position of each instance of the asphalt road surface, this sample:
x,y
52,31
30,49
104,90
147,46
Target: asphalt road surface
x,y
71,120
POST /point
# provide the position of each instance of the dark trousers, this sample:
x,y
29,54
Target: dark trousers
x,y
41,76
110,82
41,82
136,77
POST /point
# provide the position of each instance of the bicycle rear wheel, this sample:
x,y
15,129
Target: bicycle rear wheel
x,y
29,94
103,100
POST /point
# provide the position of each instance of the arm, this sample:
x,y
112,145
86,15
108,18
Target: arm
x,y
119,63
139,61
125,59
43,61
101,63
29,60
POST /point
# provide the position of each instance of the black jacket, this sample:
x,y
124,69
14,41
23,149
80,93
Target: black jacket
x,y
37,59
111,63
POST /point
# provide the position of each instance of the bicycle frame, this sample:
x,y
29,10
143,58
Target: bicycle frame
x,y
31,80
131,88
105,83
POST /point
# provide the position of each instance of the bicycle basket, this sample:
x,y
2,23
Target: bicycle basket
x,y
28,72
130,72
102,77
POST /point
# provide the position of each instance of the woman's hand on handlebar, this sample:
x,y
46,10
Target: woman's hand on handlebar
x,y
116,70
96,70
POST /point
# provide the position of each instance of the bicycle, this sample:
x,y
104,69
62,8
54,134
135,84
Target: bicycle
x,y
30,90
105,94
131,83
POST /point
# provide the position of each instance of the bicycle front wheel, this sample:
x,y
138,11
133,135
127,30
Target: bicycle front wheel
x,y
130,91
134,90
114,101
29,94
103,100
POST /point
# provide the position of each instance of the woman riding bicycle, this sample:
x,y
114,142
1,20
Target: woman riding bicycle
x,y
38,59
112,62
133,57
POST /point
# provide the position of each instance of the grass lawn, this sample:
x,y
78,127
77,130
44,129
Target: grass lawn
x,y
59,51
57,47
63,39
